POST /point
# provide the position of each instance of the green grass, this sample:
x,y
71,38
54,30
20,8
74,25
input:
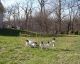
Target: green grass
x,y
14,51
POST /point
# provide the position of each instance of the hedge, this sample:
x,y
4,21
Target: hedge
x,y
9,32
15,32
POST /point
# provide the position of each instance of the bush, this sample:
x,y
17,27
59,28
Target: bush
x,y
9,32
76,32
72,32
15,32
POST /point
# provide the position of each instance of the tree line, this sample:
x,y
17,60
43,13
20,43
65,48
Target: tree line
x,y
44,16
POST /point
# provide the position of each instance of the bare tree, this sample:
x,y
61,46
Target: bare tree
x,y
58,13
26,13
8,15
42,5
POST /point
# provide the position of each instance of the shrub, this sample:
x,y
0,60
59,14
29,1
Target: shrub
x,y
9,32
76,32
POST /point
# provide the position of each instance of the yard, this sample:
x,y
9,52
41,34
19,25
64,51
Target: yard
x,y
14,51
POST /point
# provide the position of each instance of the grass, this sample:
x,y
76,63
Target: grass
x,y
14,51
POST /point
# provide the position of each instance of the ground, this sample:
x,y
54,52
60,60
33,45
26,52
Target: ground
x,y
14,51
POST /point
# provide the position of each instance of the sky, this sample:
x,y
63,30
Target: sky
x,y
7,3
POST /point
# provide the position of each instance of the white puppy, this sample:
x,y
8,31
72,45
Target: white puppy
x,y
44,45
30,43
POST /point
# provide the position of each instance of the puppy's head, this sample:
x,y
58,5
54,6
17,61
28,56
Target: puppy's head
x,y
27,40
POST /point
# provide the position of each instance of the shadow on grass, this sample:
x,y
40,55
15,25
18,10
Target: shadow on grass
x,y
55,50
66,35
64,50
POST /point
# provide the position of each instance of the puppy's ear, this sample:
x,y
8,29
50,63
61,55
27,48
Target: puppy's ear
x,y
27,40
48,42
53,38
35,42
41,42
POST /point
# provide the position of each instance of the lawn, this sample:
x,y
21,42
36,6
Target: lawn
x,y
14,51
